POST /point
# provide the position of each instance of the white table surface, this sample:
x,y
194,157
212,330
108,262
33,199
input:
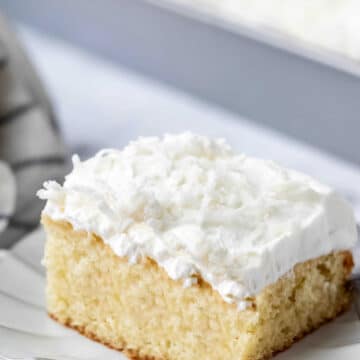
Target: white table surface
x,y
101,104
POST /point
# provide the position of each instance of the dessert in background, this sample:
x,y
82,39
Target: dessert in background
x,y
329,24
178,248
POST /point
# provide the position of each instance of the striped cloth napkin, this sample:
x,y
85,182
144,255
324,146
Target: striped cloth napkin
x,y
31,149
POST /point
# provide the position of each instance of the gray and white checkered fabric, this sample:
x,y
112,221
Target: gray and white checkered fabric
x,y
31,150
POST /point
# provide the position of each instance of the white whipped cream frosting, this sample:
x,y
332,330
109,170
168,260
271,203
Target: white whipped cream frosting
x,y
197,208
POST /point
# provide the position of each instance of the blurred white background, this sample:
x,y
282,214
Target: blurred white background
x,y
101,104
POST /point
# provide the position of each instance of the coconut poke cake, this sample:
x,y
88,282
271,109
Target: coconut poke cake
x,y
176,248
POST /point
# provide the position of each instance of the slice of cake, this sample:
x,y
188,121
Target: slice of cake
x,y
178,249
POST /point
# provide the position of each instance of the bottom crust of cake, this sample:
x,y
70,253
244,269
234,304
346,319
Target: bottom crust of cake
x,y
139,310
135,354
130,353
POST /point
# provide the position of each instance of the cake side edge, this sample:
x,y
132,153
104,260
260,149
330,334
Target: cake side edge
x,y
135,354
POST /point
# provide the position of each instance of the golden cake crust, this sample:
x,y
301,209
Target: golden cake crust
x,y
89,251
134,355
130,353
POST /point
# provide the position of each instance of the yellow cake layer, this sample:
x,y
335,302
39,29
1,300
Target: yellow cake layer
x,y
139,309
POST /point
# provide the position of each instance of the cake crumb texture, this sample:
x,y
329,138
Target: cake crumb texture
x,y
138,309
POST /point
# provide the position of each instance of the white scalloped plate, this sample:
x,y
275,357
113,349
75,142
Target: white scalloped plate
x,y
26,330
